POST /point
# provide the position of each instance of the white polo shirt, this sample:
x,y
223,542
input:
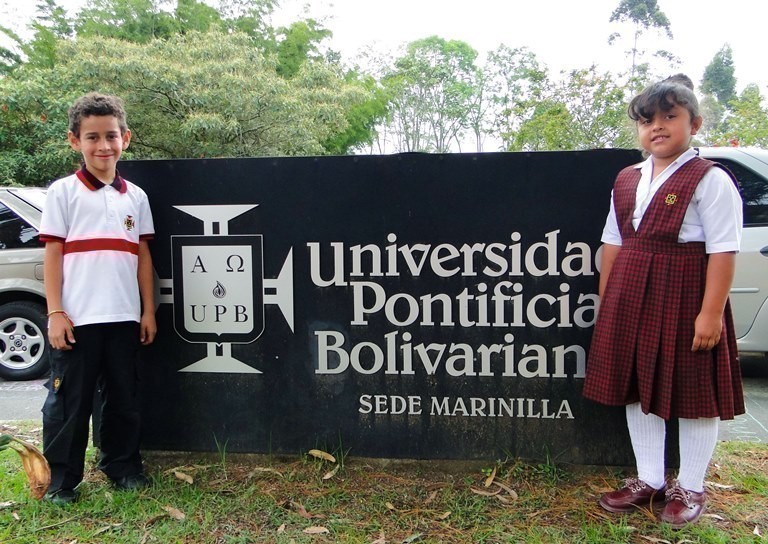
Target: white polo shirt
x,y
100,227
714,215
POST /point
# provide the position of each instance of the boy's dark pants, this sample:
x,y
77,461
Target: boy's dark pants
x,y
104,356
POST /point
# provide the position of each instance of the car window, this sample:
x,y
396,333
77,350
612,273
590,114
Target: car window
x,y
15,232
754,192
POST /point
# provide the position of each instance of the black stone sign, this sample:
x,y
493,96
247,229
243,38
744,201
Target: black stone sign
x,y
405,306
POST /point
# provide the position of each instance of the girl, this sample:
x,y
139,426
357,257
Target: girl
x,y
664,345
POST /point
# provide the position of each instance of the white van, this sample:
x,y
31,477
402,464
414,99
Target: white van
x,y
749,294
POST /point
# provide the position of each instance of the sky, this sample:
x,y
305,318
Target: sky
x,y
564,34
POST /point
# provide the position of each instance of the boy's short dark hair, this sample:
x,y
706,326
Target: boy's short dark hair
x,y
96,104
674,91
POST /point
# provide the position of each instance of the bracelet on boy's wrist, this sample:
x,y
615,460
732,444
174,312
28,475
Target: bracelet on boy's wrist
x,y
52,312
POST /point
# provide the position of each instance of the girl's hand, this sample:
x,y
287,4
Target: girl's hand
x,y
61,334
148,328
707,331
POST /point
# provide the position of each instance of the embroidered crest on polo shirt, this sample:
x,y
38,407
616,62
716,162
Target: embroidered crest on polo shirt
x,y
671,199
130,222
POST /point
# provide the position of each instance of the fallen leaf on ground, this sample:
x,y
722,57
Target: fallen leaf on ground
x,y
264,469
175,513
107,528
281,529
512,493
300,510
6,504
35,465
431,497
483,492
316,530
720,486
390,506
183,476
320,454
490,477
380,540
330,474
444,515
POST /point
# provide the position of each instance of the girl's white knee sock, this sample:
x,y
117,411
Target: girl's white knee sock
x,y
647,432
698,438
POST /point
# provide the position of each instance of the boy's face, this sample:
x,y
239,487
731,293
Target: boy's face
x,y
101,144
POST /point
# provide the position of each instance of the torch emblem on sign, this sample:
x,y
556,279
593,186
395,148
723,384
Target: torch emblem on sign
x,y
219,289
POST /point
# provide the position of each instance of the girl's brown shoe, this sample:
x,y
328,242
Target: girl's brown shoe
x,y
683,506
635,494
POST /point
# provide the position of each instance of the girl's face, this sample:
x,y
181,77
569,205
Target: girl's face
x,y
667,134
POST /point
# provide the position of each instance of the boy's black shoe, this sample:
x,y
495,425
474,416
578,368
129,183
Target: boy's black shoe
x,y
61,497
131,483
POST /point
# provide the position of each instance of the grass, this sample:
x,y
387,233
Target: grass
x,y
237,499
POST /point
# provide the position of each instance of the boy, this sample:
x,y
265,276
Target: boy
x,y
98,282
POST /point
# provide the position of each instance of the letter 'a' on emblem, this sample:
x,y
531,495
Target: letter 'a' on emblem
x,y
218,285
671,199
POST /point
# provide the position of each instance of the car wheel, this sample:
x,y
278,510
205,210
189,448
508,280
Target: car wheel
x,y
23,341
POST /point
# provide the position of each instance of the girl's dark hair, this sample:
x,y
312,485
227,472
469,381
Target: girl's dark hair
x,y
96,104
674,91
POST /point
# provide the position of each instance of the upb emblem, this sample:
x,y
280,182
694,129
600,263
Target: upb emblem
x,y
219,287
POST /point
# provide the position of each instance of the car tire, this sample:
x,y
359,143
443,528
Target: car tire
x,y
23,341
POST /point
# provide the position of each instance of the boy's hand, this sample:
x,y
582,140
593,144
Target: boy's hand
x,y
61,334
148,328
707,331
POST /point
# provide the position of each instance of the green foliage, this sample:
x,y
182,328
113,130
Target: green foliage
x,y
748,123
642,13
191,95
585,110
362,117
194,16
9,58
33,126
131,20
432,88
297,44
719,79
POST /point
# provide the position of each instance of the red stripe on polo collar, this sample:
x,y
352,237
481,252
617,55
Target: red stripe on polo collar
x,y
94,183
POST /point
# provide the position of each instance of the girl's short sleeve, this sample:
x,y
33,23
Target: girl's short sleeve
x,y
611,234
719,207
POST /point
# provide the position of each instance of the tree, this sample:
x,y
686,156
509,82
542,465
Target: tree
x,y
713,127
298,43
50,25
748,123
132,20
9,56
362,117
597,105
192,95
644,15
719,79
432,86
194,16
517,84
